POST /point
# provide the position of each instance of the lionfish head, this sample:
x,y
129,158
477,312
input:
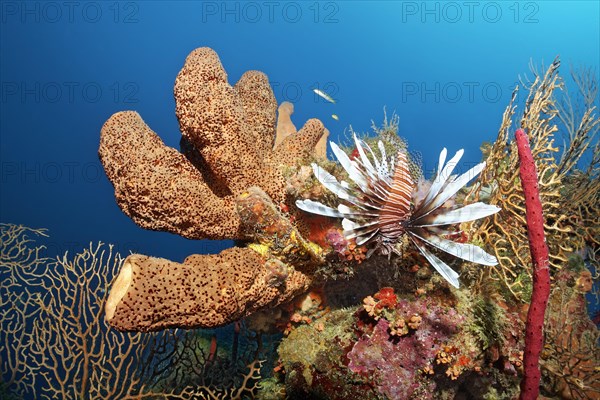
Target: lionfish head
x,y
382,205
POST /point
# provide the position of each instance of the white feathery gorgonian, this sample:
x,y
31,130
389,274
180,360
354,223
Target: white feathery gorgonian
x,y
383,205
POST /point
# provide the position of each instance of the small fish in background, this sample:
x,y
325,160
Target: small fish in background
x,y
334,116
324,95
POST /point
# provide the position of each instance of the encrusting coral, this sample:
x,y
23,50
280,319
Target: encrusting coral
x,y
228,139
396,346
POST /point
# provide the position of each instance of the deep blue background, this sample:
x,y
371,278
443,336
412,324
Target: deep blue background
x,y
67,66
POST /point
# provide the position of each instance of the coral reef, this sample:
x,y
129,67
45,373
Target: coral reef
x,y
366,326
356,352
571,360
485,355
418,331
569,193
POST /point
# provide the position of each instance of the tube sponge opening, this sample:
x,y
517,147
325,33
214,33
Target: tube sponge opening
x,y
119,288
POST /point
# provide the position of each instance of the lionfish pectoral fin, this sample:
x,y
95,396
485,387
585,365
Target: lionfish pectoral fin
x,y
443,172
369,168
353,173
465,251
467,213
449,190
364,239
448,273
330,182
315,207
384,169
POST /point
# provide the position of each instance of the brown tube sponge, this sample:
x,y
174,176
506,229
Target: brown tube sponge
x,y
233,128
158,187
228,138
227,161
266,226
212,290
321,147
205,291
285,126
298,148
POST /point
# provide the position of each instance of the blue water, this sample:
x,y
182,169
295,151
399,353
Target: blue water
x,y
446,68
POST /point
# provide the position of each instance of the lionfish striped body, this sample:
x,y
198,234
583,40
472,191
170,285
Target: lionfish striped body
x,y
382,206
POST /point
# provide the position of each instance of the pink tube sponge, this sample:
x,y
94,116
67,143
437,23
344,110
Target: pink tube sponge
x,y
534,334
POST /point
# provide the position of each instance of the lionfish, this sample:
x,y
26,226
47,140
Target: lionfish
x,y
383,205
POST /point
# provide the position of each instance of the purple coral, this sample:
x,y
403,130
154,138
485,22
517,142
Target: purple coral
x,y
337,241
394,363
394,366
